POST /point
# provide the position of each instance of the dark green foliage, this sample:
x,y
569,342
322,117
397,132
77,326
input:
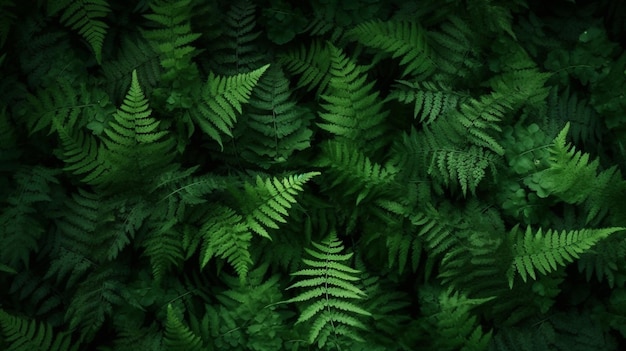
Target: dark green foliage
x,y
337,175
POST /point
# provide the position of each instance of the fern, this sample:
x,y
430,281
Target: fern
x,y
135,147
355,172
431,99
22,227
351,109
265,204
330,289
277,126
178,336
400,39
450,322
163,247
23,334
311,63
237,50
84,16
546,252
222,99
226,235
455,50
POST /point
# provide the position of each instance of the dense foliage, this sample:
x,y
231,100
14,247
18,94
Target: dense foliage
x,y
332,175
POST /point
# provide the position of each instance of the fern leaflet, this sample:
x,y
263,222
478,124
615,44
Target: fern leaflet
x,y
28,335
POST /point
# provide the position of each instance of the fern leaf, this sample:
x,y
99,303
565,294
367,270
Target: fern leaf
x,y
278,126
222,99
311,63
237,50
400,39
226,235
268,201
330,291
354,172
84,16
431,101
26,335
545,252
82,156
134,144
178,336
352,109
164,248
21,226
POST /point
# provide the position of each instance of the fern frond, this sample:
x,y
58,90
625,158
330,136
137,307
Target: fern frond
x,y
479,117
22,334
267,203
178,336
406,40
431,99
454,49
329,289
82,156
222,99
174,37
311,63
449,320
85,17
95,299
277,124
355,172
135,53
352,108
21,225
237,50
164,248
226,235
135,147
545,252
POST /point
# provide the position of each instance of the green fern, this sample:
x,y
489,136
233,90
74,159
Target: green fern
x,y
544,253
354,172
178,336
455,50
311,63
222,99
351,108
85,17
226,235
400,39
163,246
237,50
278,127
449,320
22,227
135,147
265,204
431,99
329,288
22,334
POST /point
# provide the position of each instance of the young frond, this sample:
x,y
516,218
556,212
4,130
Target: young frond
x,y
545,252
85,17
406,40
222,100
329,291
